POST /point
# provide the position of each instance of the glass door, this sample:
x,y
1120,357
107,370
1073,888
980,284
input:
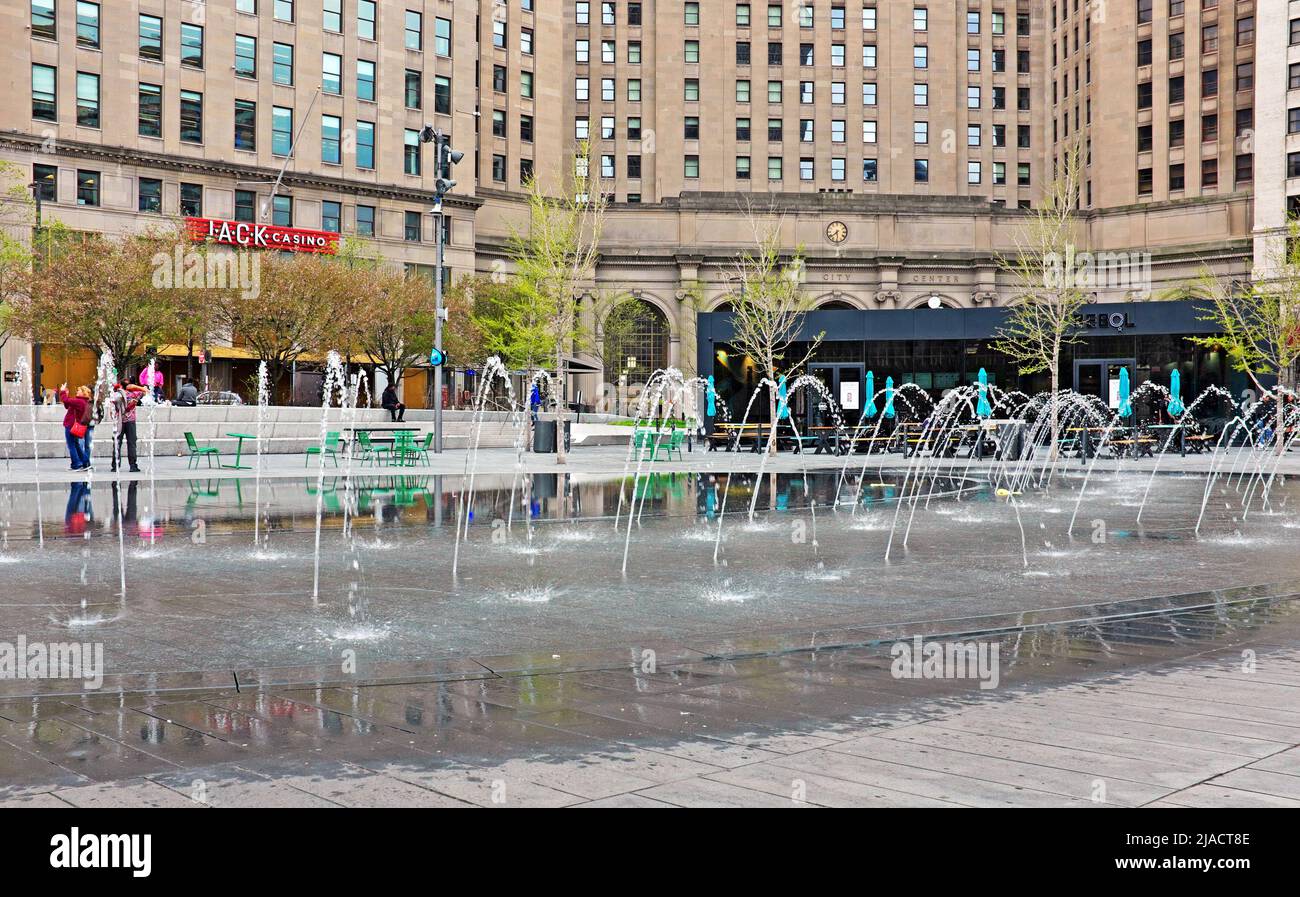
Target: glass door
x,y
1100,377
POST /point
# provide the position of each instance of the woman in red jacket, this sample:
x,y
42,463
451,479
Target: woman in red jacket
x,y
75,424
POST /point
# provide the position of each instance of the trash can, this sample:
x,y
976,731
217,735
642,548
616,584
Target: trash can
x,y
544,436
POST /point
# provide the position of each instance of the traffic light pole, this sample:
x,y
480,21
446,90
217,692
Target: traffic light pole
x,y
437,338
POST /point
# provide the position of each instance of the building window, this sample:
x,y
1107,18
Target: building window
x,y
868,93
442,36
774,168
742,168
191,200
1022,174
582,12
414,89
442,95
691,127
920,18
1245,169
634,166
331,216
331,129
633,12
973,173
282,211
774,130
920,133
805,169
837,169
634,90
366,144
526,84
245,205
245,56
499,35
245,125
331,65
1209,85
869,170
920,57
691,51
44,98
607,13
332,15
525,171
366,19
1246,76
281,130
526,128
150,195
366,221
365,80
192,45
87,100
411,152
692,14
87,188
525,41
87,25
691,166
499,168
921,171
1209,172
1177,180
414,30
498,123
773,16
869,132
284,10
1245,31
282,63
499,78
150,38
44,22
150,110
634,52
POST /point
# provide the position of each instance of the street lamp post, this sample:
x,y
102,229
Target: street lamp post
x,y
444,157
38,389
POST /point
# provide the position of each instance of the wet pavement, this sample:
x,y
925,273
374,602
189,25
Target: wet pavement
x,y
1156,706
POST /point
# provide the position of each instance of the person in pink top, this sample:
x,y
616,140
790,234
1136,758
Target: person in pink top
x,y
156,383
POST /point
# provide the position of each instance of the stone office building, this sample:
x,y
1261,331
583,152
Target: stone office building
x,y
897,142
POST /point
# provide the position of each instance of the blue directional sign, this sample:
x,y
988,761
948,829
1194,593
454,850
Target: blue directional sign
x,y
436,357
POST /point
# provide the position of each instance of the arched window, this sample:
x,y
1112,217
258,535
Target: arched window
x,y
835,305
639,330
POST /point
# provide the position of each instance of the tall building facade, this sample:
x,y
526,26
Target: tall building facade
x,y
897,142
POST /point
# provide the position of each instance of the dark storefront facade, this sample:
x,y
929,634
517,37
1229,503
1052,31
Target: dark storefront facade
x,y
939,349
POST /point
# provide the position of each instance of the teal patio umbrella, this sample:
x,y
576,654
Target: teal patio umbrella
x,y
870,409
889,398
982,408
711,404
1125,406
782,406
1176,406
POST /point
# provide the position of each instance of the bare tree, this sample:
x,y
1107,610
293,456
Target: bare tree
x,y
768,310
1260,320
1044,315
556,260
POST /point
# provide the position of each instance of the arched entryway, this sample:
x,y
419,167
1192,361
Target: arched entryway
x,y
638,330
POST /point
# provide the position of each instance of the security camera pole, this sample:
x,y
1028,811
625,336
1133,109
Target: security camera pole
x,y
444,157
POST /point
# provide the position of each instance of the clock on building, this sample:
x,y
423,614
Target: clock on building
x,y
837,231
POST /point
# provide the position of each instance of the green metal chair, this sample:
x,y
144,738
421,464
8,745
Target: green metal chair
x,y
369,451
197,452
420,451
331,448
672,443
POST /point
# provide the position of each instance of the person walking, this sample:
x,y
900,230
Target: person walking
x,y
389,402
126,399
76,424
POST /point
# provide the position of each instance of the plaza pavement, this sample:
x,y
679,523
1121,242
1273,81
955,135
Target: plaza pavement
x,y
1197,708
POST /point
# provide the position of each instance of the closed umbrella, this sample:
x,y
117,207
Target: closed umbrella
x,y
711,398
1125,406
782,407
889,398
870,410
1176,406
982,409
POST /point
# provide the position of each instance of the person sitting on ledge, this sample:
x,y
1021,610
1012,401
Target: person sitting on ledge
x,y
390,403
188,395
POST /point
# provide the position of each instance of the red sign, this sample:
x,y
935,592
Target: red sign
x,y
247,235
